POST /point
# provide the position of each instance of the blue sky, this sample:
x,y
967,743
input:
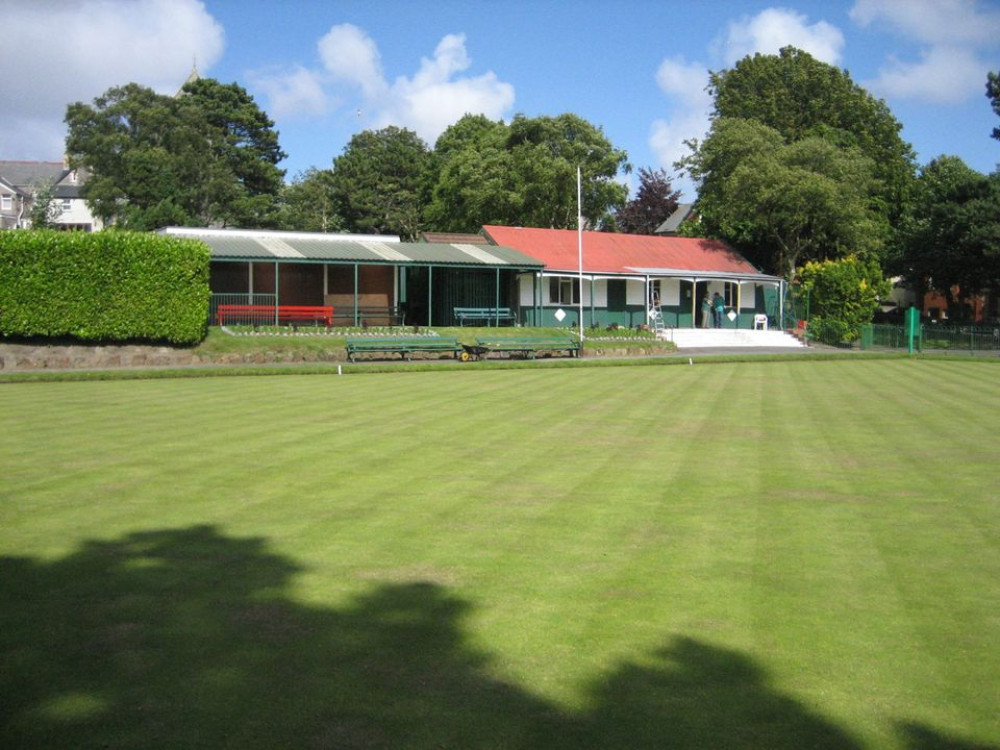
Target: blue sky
x,y
326,69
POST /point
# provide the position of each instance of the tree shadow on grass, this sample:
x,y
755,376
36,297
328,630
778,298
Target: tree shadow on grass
x,y
187,638
920,737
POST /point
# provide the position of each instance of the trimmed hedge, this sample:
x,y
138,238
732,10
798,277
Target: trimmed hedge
x,y
103,286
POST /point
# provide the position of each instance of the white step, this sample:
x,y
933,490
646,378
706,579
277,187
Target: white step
x,y
724,338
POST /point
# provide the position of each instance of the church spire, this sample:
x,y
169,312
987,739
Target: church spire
x,y
193,76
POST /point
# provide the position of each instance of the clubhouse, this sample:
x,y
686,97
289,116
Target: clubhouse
x,y
544,277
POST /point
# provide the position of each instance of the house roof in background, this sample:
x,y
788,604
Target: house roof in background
x,y
673,222
305,247
26,174
627,254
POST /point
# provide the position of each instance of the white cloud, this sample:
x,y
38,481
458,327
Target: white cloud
x,y
957,37
774,28
684,84
449,58
431,101
944,75
297,92
666,139
436,96
113,42
932,22
350,55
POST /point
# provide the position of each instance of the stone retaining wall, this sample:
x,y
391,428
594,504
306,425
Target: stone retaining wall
x,y
28,357
22,357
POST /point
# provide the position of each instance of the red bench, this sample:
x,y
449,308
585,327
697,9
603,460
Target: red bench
x,y
264,314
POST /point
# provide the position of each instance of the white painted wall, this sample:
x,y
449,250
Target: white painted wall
x,y
670,292
527,290
77,213
635,292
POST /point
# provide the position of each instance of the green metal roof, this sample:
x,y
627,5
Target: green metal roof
x,y
305,247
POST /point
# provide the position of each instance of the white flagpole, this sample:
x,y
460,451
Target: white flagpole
x,y
579,234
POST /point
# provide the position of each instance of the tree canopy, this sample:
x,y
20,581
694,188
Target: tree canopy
x,y
785,203
309,203
381,182
953,237
801,164
525,173
475,183
654,202
799,96
206,156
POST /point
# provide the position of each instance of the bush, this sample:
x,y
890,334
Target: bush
x,y
843,296
829,331
103,286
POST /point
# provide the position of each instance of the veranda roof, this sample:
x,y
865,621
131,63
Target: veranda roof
x,y
627,254
305,247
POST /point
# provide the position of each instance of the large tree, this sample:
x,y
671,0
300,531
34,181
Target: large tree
x,y
525,173
846,190
953,237
248,146
785,203
654,202
207,156
309,203
546,153
475,182
800,96
382,182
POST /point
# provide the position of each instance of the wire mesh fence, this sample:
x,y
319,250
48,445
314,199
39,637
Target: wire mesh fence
x,y
932,336
888,336
969,337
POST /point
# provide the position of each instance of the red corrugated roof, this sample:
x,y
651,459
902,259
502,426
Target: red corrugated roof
x,y
604,252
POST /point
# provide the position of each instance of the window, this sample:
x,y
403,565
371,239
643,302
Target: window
x,y
731,294
66,204
564,291
6,203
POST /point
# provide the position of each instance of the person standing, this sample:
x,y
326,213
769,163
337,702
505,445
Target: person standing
x,y
718,308
706,310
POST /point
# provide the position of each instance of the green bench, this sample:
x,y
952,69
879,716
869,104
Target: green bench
x,y
489,314
405,347
530,346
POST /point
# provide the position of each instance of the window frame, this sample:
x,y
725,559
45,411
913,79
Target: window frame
x,y
730,294
558,286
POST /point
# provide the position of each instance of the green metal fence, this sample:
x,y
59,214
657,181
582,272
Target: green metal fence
x,y
888,336
956,338
969,338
